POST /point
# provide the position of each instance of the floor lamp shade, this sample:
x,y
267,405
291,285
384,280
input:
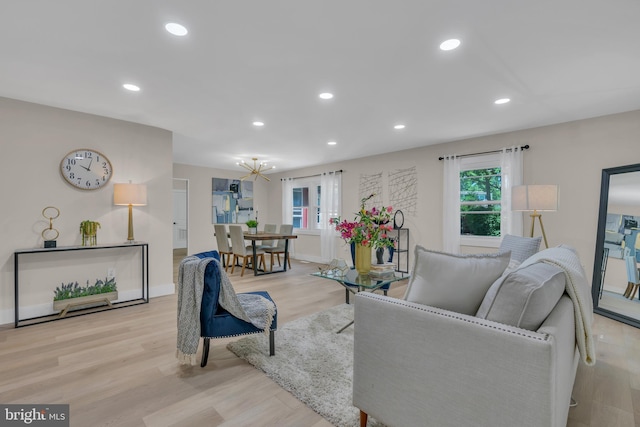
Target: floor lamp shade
x,y
536,198
130,195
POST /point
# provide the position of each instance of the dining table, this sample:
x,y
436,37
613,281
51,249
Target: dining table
x,y
257,237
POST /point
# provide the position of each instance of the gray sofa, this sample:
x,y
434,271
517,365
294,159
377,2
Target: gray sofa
x,y
420,365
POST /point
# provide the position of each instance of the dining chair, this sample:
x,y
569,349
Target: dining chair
x,y
287,230
240,250
222,240
633,276
264,244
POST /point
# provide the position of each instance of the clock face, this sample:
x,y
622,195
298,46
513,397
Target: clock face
x,y
86,169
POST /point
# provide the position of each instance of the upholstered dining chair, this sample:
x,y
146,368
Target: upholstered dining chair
x,y
285,229
268,228
215,321
240,250
633,276
223,244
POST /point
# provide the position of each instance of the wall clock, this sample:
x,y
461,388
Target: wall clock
x,y
86,169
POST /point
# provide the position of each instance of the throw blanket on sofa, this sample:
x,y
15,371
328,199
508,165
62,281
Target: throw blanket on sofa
x,y
253,309
578,290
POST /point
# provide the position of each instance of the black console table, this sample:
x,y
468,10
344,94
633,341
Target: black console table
x,y
142,246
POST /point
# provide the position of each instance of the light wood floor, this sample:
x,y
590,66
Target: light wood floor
x,y
117,367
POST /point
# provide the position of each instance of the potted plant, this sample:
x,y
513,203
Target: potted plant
x,y
89,231
74,295
253,226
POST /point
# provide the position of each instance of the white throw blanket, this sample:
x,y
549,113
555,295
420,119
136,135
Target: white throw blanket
x,y
578,289
253,309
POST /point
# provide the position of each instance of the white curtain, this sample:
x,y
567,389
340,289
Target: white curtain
x,y
511,165
330,207
287,201
451,205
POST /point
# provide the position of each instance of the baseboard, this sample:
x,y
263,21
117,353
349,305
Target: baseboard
x,y
7,315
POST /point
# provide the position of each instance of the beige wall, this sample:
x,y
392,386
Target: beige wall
x,y
200,234
33,141
571,155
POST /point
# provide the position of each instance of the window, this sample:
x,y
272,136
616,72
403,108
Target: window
x,y
306,203
480,199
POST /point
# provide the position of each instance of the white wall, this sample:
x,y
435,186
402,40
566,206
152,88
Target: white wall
x,y
33,141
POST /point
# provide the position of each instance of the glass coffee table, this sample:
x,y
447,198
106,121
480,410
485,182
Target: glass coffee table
x,y
354,282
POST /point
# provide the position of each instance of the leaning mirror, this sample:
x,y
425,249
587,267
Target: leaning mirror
x,y
615,275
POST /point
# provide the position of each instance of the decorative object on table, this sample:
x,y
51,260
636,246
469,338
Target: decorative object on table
x,y
369,229
253,226
382,270
130,195
536,198
336,267
73,295
86,169
256,170
50,234
89,231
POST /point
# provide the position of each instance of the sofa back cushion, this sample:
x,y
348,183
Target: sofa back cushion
x,y
521,247
451,281
524,297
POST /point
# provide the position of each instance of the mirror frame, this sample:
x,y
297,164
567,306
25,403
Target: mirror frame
x,y
597,264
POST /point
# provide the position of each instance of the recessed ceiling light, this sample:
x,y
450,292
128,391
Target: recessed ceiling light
x,y
331,143
258,124
450,44
131,87
326,95
176,29
398,127
501,101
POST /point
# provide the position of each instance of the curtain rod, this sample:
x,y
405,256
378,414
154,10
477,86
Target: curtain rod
x,y
310,176
524,147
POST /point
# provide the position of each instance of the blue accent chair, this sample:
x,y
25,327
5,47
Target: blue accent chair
x,y
215,321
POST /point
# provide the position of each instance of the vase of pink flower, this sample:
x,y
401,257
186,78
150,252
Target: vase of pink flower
x,y
369,229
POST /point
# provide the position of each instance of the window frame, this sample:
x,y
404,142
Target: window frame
x,y
485,161
313,184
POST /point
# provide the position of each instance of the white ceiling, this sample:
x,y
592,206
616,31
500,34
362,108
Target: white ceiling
x,y
247,60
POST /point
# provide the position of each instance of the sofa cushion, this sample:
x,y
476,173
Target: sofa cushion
x,y
453,282
521,247
525,297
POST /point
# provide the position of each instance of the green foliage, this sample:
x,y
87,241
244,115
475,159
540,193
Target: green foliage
x,y
480,193
252,223
73,290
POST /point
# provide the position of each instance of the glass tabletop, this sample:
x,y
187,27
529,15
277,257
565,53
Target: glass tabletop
x,y
352,278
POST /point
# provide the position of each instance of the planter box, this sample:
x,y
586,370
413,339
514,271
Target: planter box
x,y
84,302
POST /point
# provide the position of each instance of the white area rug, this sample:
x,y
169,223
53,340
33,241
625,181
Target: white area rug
x,y
312,362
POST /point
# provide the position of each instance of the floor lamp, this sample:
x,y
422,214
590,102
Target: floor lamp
x,y
536,198
130,195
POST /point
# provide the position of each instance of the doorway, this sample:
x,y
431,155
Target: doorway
x,y
180,222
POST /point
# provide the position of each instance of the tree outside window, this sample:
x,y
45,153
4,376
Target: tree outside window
x,y
480,196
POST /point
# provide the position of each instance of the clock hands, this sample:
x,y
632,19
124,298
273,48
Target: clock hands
x,y
88,168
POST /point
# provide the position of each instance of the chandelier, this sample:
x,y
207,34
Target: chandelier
x,y
256,170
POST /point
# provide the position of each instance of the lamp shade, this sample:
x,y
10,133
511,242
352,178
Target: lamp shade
x,y
130,194
534,198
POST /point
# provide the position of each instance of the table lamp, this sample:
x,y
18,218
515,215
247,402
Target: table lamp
x,y
536,198
130,195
